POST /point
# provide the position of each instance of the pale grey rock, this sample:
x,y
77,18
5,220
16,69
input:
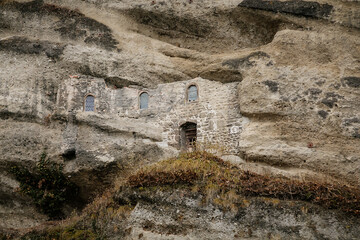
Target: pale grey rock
x,y
281,91
168,215
233,159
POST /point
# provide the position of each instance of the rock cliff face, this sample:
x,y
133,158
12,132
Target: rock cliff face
x,y
297,64
181,215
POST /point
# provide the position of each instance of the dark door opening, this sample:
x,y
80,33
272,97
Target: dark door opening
x,y
188,133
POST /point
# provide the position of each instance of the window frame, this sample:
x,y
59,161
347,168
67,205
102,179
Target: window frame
x,y
187,92
84,102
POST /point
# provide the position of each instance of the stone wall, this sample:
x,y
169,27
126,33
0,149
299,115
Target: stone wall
x,y
216,112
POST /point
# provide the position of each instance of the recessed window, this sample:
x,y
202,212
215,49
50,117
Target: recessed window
x,y
192,93
89,103
144,100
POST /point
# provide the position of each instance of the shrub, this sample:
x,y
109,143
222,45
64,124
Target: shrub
x,y
46,185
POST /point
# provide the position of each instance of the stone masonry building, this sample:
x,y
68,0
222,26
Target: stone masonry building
x,y
200,109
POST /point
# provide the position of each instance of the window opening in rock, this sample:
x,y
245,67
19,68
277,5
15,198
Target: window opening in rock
x,y
89,103
144,100
192,93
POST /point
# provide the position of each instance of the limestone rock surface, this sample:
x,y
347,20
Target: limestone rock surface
x,y
181,214
297,64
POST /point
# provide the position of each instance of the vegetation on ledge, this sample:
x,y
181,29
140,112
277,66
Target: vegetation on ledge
x,y
46,185
200,172
212,177
101,219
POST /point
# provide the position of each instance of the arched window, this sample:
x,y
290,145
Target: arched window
x,y
89,103
192,94
144,100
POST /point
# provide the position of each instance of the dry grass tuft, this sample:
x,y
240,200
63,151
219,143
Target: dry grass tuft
x,y
99,220
223,183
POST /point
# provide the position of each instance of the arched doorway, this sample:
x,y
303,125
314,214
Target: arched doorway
x,y
188,134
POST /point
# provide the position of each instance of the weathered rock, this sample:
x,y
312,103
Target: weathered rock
x,y
301,8
181,214
25,46
70,23
295,65
352,81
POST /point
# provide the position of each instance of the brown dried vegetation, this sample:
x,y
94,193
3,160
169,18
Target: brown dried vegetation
x,y
206,171
102,218
219,182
